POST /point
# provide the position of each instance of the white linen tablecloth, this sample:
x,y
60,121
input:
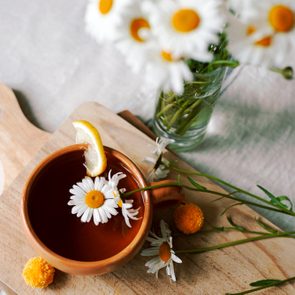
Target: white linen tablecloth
x,y
46,56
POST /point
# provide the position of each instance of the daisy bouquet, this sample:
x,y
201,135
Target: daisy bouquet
x,y
184,50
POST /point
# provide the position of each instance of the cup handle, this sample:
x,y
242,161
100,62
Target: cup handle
x,y
164,194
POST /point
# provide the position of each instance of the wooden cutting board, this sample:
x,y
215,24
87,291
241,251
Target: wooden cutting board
x,y
212,273
19,139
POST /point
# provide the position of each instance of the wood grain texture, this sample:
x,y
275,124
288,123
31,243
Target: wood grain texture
x,y
211,273
19,139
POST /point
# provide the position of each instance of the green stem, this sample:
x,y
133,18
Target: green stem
x,y
225,63
195,108
274,284
165,109
228,196
183,171
177,114
238,242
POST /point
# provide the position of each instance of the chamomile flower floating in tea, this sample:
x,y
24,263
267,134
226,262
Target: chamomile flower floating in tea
x,y
99,199
160,168
163,251
93,199
102,17
185,27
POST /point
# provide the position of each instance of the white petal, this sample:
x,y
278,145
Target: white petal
x,y
90,214
96,217
82,209
176,258
85,215
103,215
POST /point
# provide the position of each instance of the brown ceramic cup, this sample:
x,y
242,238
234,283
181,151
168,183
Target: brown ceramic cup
x,y
36,222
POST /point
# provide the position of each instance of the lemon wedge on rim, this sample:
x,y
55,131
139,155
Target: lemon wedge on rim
x,y
95,158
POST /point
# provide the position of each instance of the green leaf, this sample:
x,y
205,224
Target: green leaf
x,y
277,201
264,283
197,185
285,198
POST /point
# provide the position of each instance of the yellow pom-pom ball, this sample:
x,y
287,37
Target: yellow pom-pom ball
x,y
188,218
38,273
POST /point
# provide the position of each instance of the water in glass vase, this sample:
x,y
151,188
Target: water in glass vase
x,y
184,118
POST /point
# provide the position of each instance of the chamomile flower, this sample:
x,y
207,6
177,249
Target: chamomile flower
x,y
165,72
277,17
185,27
160,168
128,211
265,37
126,206
135,36
161,248
94,199
102,17
249,46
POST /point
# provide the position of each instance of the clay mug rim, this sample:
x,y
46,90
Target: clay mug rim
x,y
88,267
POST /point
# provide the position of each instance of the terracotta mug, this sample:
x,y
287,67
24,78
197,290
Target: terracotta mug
x,y
60,237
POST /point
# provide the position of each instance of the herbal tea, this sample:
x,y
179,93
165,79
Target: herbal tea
x,y
64,233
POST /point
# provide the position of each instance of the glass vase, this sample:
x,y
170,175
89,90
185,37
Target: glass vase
x,y
184,118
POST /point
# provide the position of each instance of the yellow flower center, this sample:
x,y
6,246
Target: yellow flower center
x,y
94,199
281,18
185,20
104,6
167,56
165,252
135,27
264,42
120,203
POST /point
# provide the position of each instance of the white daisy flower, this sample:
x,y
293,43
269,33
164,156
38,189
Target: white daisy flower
x,y
128,212
165,72
94,198
160,168
162,248
126,206
135,36
265,37
249,46
276,17
186,28
103,17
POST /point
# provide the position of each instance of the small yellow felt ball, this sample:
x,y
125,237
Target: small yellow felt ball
x,y
38,273
188,218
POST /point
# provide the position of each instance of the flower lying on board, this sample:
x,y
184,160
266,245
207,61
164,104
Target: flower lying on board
x,y
38,273
162,249
161,165
99,199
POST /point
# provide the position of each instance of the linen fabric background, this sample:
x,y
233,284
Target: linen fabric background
x,y
47,58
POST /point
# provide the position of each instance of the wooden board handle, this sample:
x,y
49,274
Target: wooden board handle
x,y
19,139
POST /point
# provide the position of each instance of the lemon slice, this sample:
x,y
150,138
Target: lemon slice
x,y
95,158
